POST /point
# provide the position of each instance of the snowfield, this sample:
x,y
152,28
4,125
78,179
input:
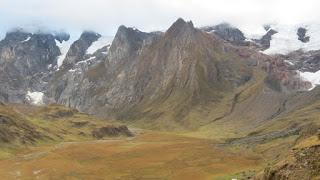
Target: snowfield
x,y
314,78
64,48
286,40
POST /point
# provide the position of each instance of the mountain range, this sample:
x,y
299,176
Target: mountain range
x,y
207,82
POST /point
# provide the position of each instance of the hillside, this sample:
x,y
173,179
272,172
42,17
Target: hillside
x,y
26,126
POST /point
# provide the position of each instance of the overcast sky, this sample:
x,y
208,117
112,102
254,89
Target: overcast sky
x,y
105,16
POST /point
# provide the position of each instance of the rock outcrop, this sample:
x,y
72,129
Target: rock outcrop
x,y
112,131
301,163
264,42
228,33
301,32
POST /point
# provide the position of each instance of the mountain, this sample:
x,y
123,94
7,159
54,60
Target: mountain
x,y
144,72
141,74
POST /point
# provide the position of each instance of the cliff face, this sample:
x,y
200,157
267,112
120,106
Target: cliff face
x,y
25,62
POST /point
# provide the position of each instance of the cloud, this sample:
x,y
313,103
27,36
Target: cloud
x,y
106,15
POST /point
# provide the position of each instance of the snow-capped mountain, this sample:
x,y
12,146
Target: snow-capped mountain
x,y
28,60
296,45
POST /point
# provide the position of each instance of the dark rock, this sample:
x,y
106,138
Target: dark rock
x,y
79,124
301,32
62,36
264,42
228,33
304,61
112,131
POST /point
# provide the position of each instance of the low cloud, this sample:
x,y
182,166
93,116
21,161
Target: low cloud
x,y
105,16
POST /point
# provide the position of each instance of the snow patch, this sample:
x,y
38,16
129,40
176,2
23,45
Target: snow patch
x,y
86,60
313,78
289,62
286,40
26,40
100,43
36,98
64,48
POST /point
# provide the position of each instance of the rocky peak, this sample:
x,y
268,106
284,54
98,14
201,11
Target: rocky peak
x,y
180,27
228,33
79,48
301,32
127,43
264,42
89,36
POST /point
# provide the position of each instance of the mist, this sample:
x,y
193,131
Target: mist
x,y
105,16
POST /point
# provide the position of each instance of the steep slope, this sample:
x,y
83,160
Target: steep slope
x,y
302,162
15,129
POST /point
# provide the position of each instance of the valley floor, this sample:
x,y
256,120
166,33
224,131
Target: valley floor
x,y
149,155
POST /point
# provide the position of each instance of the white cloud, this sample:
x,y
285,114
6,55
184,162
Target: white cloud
x,y
106,15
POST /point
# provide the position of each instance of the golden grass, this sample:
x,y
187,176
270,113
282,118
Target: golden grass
x,y
148,156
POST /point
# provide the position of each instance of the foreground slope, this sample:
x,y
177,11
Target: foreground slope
x,y
27,126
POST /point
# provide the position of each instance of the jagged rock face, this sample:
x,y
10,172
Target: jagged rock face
x,y
228,33
78,49
301,32
264,42
304,61
88,84
146,68
25,60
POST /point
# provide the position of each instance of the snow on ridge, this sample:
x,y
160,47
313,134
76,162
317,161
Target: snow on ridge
x,y
100,43
35,98
79,65
26,40
86,60
286,40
